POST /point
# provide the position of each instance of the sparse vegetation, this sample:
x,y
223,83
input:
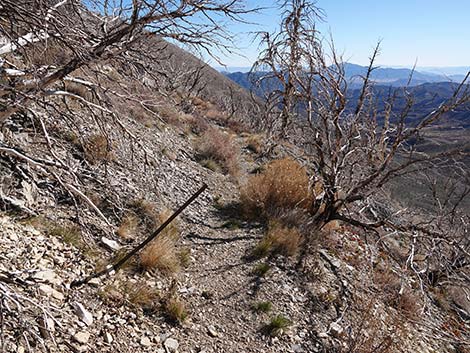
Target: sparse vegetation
x,y
161,254
282,184
279,239
142,295
277,325
175,309
97,148
128,227
254,143
217,146
261,269
262,307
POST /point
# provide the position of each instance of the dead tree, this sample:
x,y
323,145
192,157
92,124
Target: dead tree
x,y
357,147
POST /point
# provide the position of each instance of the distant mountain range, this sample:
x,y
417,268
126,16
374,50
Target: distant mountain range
x,y
428,89
395,77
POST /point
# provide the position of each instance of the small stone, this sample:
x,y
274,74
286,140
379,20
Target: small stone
x,y
82,313
323,335
212,331
108,338
46,276
82,337
145,341
297,348
336,330
171,344
111,244
95,282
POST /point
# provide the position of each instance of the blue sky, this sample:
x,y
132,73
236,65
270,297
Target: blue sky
x,y
433,32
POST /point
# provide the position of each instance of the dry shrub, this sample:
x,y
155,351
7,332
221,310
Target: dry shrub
x,y
404,301
237,126
255,143
175,310
216,115
161,254
373,331
283,184
52,53
279,239
196,125
128,227
170,115
97,149
219,147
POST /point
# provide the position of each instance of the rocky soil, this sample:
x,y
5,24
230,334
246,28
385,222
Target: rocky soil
x,y
42,313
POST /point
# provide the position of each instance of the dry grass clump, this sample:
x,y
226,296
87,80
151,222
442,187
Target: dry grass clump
x,y
142,295
161,254
283,184
280,239
128,227
255,143
97,149
147,212
219,147
175,309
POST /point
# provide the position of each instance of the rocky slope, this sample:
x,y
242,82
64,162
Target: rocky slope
x,y
139,163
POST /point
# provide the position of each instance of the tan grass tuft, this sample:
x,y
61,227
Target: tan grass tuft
x,y
97,148
279,239
219,147
161,254
283,184
128,227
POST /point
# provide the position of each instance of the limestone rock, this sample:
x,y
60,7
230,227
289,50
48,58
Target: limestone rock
x,y
83,314
171,345
82,337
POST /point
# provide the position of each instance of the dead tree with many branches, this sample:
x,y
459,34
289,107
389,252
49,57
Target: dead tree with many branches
x,y
357,147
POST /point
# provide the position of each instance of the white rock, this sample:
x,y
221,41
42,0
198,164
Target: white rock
x,y
82,313
111,244
82,337
335,329
108,338
95,282
47,276
49,291
171,344
145,341
212,331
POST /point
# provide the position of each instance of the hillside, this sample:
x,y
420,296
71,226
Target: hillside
x,y
93,163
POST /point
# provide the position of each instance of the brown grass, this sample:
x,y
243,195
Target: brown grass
x,y
142,295
175,309
280,240
219,147
97,149
283,184
128,227
255,143
161,254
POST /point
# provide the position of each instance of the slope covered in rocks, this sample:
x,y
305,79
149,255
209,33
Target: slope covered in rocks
x,y
81,185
